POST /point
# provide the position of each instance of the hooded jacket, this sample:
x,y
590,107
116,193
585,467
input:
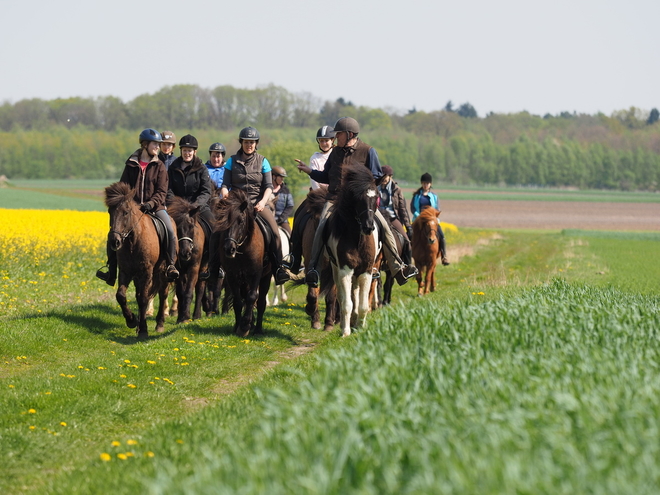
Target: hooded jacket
x,y
192,183
150,185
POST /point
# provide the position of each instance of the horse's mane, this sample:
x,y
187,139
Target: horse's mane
x,y
426,215
118,193
235,202
180,208
356,180
316,201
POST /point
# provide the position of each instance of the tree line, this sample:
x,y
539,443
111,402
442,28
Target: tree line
x,y
91,137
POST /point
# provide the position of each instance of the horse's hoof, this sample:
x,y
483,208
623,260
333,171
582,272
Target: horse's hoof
x,y
316,325
327,328
142,335
182,320
132,323
150,312
160,328
346,333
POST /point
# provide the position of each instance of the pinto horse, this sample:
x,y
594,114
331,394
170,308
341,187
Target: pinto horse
x,y
243,256
191,260
426,249
352,246
140,259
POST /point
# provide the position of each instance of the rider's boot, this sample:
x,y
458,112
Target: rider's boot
x,y
171,272
406,272
443,251
109,276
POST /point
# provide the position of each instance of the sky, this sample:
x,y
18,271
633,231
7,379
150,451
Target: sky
x,y
503,56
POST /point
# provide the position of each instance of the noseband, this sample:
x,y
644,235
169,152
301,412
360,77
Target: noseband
x,y
125,234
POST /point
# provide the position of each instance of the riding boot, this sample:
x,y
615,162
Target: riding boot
x,y
406,251
172,273
312,278
443,247
109,277
402,270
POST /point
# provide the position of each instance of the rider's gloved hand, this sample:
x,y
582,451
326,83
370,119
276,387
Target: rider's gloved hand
x,y
147,207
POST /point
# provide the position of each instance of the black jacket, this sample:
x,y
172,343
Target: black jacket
x,y
193,184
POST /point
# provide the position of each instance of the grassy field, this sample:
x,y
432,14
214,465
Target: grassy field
x,y
531,370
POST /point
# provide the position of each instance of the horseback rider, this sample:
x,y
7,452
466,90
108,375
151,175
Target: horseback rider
x,y
282,198
215,164
166,154
250,171
424,198
146,173
393,207
189,179
351,151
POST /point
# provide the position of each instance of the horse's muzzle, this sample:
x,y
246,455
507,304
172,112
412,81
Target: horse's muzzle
x,y
114,241
230,249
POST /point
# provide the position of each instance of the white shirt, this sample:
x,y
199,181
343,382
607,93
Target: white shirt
x,y
317,162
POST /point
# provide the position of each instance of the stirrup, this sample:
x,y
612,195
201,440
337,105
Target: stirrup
x,y
281,276
445,261
375,273
172,273
221,272
312,278
287,261
204,275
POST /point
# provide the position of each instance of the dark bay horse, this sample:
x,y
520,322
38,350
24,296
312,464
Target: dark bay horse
x,y
314,203
353,246
426,249
190,260
134,238
242,254
383,297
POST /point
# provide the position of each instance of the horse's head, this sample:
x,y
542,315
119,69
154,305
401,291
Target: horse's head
x,y
185,216
359,196
236,221
428,220
124,213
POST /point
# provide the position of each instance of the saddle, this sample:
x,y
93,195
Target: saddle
x,y
265,229
161,230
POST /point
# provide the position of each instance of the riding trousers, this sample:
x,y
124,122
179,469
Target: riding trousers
x,y
390,252
171,238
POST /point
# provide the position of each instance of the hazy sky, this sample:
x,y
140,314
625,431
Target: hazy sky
x,y
502,56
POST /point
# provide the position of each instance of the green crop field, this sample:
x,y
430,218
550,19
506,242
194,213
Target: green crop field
x,y
532,369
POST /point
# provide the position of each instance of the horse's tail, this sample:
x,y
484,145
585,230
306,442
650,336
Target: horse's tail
x,y
227,301
327,281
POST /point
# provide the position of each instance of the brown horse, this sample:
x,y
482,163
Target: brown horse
x,y
426,249
191,260
140,259
381,293
315,201
242,253
353,246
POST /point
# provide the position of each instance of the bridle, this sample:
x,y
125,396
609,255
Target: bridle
x,y
125,234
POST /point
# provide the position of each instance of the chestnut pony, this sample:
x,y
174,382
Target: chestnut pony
x,y
241,248
140,259
426,249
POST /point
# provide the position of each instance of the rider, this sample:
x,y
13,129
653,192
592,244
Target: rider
x,y
146,173
250,171
393,206
283,199
325,137
166,154
351,151
215,165
423,198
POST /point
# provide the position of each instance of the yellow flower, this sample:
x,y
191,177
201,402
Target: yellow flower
x,y
62,423
122,457
149,454
32,411
122,376
127,360
131,442
151,362
11,386
32,427
115,443
105,457
130,385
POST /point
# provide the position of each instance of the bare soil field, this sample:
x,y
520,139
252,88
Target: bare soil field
x,y
551,215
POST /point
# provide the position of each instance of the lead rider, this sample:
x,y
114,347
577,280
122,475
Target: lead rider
x,y
351,151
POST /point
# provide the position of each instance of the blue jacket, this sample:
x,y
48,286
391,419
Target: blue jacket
x,y
216,174
415,205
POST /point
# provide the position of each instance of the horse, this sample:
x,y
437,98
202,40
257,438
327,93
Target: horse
x,y
243,256
314,203
140,259
285,241
377,298
426,249
352,246
191,260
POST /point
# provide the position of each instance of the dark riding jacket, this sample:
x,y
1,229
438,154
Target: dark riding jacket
x,y
399,206
150,185
192,183
250,173
359,154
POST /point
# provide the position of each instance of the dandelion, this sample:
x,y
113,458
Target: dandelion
x,y
151,362
130,385
105,457
32,427
149,454
131,442
122,457
127,360
115,443
178,440
32,411
122,376
62,423
11,386
102,368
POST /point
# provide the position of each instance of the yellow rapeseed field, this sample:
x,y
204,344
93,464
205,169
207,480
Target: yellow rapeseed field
x,y
40,234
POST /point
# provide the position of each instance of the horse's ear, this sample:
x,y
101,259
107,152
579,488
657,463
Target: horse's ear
x,y
244,206
438,214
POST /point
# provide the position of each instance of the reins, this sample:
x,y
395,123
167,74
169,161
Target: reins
x,y
124,235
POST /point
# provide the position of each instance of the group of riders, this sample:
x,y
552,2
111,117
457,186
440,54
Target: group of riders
x,y
157,176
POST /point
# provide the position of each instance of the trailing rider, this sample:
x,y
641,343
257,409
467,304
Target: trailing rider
x,y
424,198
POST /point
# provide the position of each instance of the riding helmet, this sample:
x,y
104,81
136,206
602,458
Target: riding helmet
x,y
387,170
218,147
426,178
248,134
168,137
188,141
150,134
277,170
347,124
325,132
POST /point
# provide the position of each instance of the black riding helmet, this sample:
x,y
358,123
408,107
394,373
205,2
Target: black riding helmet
x,y
248,134
219,147
188,141
347,124
426,177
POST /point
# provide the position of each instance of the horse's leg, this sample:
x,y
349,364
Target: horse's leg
x,y
150,307
200,290
175,304
250,298
185,286
131,320
387,288
343,279
142,286
312,307
427,278
238,308
420,280
261,304
275,301
331,309
363,307
163,295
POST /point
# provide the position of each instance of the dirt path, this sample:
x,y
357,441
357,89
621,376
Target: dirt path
x,y
551,215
